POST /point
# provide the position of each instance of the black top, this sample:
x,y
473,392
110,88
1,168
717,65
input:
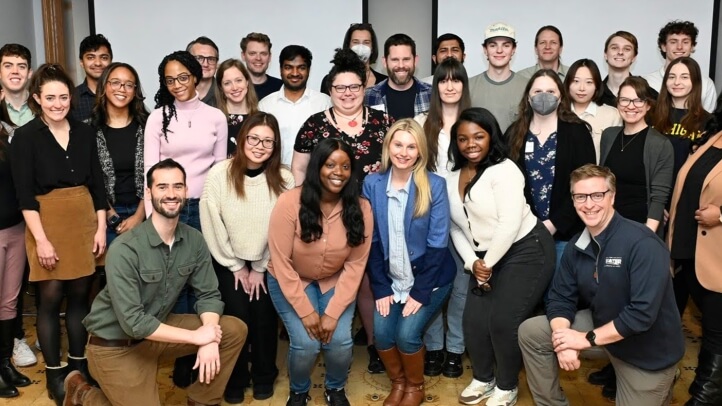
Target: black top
x,y
41,165
610,99
269,86
574,149
10,214
325,85
628,166
121,147
235,121
685,226
400,104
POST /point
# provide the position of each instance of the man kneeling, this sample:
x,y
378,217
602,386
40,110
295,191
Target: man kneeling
x,y
129,324
617,270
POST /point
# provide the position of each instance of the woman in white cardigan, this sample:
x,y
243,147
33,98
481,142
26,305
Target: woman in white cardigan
x,y
509,252
235,210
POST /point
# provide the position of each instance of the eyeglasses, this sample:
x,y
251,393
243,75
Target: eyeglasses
x,y
596,196
183,79
342,88
624,102
212,60
252,140
117,84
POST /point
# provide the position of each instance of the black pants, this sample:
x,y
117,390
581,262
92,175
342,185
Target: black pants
x,y
262,321
491,320
709,304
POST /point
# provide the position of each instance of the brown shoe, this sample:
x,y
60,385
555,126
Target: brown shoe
x,y
395,371
414,371
75,388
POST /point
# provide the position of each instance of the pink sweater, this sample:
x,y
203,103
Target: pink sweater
x,y
197,139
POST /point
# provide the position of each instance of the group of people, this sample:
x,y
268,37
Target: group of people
x,y
243,198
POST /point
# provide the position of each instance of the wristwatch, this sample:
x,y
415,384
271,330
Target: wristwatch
x,y
591,337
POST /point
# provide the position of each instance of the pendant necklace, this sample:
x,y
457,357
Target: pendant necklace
x,y
351,121
621,140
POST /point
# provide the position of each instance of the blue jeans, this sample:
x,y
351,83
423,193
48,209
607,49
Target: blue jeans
x,y
405,333
124,211
303,351
434,336
190,214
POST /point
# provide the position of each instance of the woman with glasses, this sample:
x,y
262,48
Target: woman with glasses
x,y
195,135
410,266
238,197
361,127
508,251
119,118
237,98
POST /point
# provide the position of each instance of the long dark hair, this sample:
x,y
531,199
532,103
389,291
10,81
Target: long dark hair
x,y
136,108
497,147
694,120
596,78
163,98
272,166
518,129
310,212
448,69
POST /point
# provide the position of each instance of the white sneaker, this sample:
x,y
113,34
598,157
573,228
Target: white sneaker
x,y
23,356
502,397
476,392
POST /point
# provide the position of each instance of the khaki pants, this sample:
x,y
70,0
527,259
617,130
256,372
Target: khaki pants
x,y
127,375
635,386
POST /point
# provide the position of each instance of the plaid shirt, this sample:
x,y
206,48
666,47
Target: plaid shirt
x,y
376,96
83,102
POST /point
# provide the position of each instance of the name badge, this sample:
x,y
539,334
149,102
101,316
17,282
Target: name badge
x,y
529,148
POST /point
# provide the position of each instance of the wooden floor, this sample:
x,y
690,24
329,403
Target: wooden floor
x,y
367,389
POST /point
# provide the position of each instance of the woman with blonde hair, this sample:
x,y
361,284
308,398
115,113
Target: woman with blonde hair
x,y
410,266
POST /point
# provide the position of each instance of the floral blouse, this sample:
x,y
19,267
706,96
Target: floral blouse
x,y
540,164
367,144
234,127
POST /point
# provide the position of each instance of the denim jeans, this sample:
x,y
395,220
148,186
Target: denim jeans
x,y
124,211
405,333
190,214
303,351
434,336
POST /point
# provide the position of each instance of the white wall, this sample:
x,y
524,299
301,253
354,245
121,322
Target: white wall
x,y
17,26
584,25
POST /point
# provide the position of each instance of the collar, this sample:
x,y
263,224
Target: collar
x,y
191,104
153,236
84,89
562,71
22,108
307,93
585,238
591,109
390,191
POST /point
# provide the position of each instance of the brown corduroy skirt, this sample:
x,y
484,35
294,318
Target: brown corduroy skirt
x,y
69,221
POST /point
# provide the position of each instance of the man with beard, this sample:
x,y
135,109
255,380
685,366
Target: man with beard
x,y
294,103
401,95
256,54
498,89
206,53
130,324
446,46
95,55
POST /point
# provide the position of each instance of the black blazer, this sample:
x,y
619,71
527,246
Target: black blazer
x,y
574,149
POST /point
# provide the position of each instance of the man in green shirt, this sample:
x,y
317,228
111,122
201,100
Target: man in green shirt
x,y
130,324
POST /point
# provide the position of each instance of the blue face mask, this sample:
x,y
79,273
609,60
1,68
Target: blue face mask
x,y
544,103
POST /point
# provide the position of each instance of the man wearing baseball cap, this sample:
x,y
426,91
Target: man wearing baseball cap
x,y
498,89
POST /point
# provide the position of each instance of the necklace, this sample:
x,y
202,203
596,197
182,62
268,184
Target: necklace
x,y
468,175
621,140
351,120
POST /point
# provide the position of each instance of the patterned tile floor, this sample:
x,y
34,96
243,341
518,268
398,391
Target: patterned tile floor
x,y
366,389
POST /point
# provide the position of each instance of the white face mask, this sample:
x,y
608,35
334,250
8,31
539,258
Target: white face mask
x,y
363,51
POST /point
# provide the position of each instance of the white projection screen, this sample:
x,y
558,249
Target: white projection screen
x,y
585,26
142,32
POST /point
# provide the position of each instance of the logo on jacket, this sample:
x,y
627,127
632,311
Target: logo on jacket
x,y
614,262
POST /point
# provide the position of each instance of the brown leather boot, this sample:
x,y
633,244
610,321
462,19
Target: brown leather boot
x,y
395,370
75,388
414,372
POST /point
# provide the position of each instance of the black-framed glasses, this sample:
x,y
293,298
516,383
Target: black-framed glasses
x,y
183,79
267,143
625,101
116,84
212,60
596,196
342,88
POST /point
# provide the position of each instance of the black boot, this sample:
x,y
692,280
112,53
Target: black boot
x,y
10,378
81,364
706,389
55,378
183,373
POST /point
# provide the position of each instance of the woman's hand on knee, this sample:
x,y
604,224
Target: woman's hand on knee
x,y
328,326
312,324
411,307
383,305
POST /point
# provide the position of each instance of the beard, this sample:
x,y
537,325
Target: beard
x,y
398,81
158,207
292,87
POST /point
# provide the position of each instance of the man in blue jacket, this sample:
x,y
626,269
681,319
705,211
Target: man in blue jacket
x,y
614,290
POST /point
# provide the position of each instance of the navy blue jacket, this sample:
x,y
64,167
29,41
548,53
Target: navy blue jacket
x,y
634,290
427,239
